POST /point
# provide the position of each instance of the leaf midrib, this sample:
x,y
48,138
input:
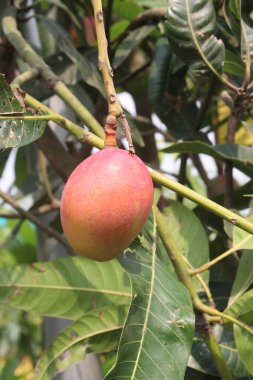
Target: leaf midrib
x,y
68,288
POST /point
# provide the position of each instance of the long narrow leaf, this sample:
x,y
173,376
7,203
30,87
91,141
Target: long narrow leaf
x,y
158,333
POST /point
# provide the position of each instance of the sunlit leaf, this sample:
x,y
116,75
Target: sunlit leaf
x,y
66,287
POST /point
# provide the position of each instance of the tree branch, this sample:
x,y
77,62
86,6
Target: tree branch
x,y
34,219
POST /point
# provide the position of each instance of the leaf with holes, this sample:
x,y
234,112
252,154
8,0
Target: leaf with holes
x,y
16,133
11,100
97,331
190,26
157,336
65,288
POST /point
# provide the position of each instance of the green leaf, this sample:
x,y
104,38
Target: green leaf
x,y
190,26
201,359
233,64
232,15
87,69
244,276
243,309
241,156
17,246
65,288
160,72
66,9
151,4
11,101
247,45
133,39
16,133
129,11
189,234
158,333
240,235
97,331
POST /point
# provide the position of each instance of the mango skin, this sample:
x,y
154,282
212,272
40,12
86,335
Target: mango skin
x,y
105,203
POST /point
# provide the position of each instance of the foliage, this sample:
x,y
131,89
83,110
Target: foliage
x,y
189,63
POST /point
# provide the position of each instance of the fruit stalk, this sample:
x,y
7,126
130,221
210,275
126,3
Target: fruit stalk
x,y
114,107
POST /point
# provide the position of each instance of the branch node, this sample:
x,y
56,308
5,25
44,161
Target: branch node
x,y
100,16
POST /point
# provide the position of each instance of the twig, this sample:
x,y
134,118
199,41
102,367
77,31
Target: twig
x,y
211,263
44,176
131,75
34,219
25,77
205,105
42,210
114,106
201,170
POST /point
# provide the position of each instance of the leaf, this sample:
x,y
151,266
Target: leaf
x,y
240,235
201,359
151,4
133,39
233,64
190,26
158,333
129,11
242,309
97,331
247,45
11,100
66,9
232,15
65,288
16,133
243,278
87,69
189,234
160,72
240,155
